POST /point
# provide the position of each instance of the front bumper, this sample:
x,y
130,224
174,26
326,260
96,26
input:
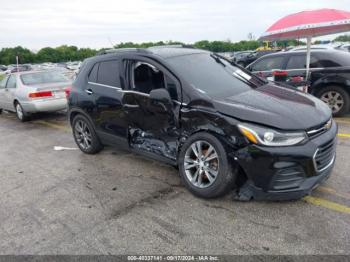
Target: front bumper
x,y
285,173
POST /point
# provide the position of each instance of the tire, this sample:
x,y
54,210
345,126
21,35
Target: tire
x,y
85,136
0,111
199,183
20,113
330,95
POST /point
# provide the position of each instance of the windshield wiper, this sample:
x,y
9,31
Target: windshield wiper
x,y
217,59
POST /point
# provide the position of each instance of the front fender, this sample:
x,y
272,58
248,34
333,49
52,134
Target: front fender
x,y
200,120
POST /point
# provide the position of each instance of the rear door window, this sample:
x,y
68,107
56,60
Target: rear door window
x,y
296,62
108,73
269,63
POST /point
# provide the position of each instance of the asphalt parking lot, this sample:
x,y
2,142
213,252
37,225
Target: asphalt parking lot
x,y
66,202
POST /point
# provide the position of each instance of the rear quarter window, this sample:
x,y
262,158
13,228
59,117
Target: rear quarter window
x,y
334,59
93,73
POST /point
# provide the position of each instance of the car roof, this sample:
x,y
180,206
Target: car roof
x,y
168,52
163,51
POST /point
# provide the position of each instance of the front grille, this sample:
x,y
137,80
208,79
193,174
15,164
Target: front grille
x,y
324,156
318,130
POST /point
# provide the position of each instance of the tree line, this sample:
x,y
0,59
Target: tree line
x,y
48,54
66,53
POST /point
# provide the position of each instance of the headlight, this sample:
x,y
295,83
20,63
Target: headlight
x,y
268,137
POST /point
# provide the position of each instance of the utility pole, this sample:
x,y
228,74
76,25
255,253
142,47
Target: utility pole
x,y
17,58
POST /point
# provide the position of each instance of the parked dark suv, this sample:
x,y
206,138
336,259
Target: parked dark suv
x,y
329,78
222,126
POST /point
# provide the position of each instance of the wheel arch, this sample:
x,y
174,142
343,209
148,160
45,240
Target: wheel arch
x,y
331,81
15,101
185,136
77,111
226,142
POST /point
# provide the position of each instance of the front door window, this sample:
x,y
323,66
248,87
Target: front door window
x,y
147,77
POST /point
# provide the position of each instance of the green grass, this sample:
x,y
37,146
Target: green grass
x,y
2,77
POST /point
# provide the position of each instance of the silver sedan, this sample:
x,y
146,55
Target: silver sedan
x,y
32,92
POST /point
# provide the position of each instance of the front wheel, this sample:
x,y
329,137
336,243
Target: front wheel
x,y
204,166
336,98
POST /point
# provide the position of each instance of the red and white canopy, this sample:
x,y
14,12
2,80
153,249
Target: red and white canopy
x,y
309,24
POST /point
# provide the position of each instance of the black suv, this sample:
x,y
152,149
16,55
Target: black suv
x,y
222,126
329,78
244,58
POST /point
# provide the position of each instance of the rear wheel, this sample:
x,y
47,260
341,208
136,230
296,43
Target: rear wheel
x,y
85,135
204,167
336,98
20,113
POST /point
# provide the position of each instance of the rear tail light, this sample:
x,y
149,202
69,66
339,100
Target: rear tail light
x,y
41,94
67,91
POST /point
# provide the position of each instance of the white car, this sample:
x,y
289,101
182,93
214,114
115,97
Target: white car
x,y
31,92
73,66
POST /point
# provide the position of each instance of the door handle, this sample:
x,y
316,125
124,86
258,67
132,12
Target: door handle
x,y
89,91
130,106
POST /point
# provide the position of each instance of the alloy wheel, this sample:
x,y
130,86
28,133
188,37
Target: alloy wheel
x,y
334,100
83,135
201,164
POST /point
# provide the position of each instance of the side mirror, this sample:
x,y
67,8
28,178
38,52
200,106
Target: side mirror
x,y
160,95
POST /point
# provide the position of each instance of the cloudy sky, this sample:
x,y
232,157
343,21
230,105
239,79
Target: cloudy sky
x,y
39,23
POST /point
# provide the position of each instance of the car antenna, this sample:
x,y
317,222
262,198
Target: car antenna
x,y
110,41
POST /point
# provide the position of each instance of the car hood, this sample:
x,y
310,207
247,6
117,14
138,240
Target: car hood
x,y
275,106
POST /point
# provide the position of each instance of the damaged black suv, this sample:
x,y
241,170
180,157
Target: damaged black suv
x,y
222,126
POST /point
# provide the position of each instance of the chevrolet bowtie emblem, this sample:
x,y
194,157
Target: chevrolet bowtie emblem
x,y
328,125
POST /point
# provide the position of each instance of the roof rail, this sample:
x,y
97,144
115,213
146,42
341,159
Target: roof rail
x,y
122,50
172,46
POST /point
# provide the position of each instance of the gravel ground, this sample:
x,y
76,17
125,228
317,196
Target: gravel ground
x,y
66,202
